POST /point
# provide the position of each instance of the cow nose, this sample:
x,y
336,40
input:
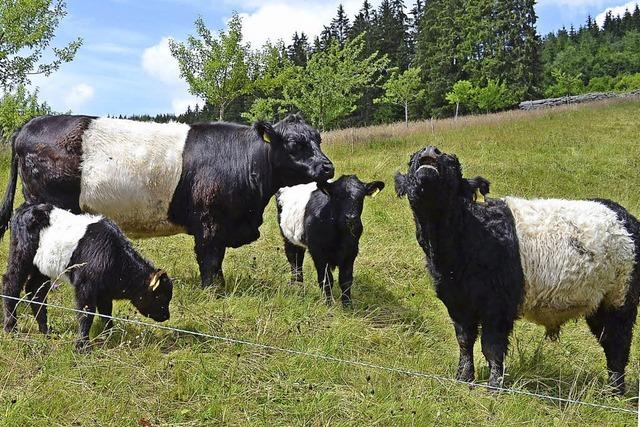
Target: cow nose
x,y
327,169
432,151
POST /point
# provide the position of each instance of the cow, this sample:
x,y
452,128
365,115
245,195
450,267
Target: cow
x,y
92,254
549,261
326,219
209,180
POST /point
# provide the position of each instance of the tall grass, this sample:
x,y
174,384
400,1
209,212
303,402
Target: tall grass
x,y
136,374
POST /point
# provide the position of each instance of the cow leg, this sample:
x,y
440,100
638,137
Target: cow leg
x,y
295,256
210,254
613,328
13,280
466,333
495,342
325,279
346,279
37,288
105,307
85,301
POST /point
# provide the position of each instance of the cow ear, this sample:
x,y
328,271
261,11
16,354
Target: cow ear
x,y
155,280
401,184
265,131
373,188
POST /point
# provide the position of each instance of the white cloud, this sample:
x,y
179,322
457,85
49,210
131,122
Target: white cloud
x,y
574,4
78,96
279,19
159,64
616,11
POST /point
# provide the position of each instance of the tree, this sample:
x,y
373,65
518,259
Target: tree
x,y
299,49
332,82
17,107
404,89
463,93
216,68
27,29
493,97
565,84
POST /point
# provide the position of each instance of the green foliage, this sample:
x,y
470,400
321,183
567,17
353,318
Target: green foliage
x,y
600,84
463,94
493,97
26,31
328,88
16,108
628,83
216,68
403,89
565,84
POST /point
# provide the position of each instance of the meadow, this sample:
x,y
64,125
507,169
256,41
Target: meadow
x,y
138,375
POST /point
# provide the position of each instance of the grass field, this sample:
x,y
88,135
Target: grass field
x,y
139,374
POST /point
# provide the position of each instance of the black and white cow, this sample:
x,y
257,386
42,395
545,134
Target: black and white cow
x,y
325,219
90,252
545,260
209,180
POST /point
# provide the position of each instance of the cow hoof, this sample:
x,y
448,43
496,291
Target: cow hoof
x,y
82,346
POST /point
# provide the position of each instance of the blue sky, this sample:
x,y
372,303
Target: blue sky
x,y
124,66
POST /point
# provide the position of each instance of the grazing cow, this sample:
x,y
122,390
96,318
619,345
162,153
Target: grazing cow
x,y
545,260
91,253
210,180
324,218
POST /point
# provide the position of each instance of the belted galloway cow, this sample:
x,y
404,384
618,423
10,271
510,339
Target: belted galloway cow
x,y
210,180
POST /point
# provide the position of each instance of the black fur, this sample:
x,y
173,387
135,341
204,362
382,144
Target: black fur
x,y
104,267
229,174
472,253
332,230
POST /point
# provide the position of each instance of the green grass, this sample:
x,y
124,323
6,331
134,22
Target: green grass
x,y
176,379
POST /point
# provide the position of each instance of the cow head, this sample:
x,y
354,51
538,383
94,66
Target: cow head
x,y
347,200
434,179
153,300
295,156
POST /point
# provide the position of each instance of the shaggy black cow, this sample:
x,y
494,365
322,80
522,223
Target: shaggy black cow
x,y
211,180
324,218
88,251
545,260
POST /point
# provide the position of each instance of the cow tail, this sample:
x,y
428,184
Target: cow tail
x,y
7,204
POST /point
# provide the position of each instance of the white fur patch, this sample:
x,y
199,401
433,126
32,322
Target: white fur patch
x,y
59,240
130,171
293,203
574,254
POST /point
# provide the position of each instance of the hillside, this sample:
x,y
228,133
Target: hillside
x,y
169,378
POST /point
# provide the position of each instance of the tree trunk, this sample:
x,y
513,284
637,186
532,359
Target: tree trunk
x,y
457,109
406,114
221,113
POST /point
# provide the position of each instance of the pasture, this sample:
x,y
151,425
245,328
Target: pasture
x,y
138,375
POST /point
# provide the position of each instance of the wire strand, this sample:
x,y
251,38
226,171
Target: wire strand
x,y
330,358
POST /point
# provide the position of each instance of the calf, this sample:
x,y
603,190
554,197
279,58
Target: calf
x,y
545,260
324,218
88,251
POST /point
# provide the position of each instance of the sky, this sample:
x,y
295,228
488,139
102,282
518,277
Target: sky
x,y
124,65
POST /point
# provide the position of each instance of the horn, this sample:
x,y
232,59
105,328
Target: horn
x,y
155,280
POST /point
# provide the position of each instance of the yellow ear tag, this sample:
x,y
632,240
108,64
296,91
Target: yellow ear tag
x,y
266,138
479,197
155,280
375,193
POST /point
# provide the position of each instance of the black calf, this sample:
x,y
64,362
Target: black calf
x,y
324,218
95,257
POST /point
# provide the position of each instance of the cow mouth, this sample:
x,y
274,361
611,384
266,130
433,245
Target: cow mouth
x,y
429,163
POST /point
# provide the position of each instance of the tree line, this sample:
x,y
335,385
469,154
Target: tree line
x,y
393,62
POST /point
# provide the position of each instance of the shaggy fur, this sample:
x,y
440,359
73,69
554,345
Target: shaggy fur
x,y
327,222
99,261
130,171
575,255
214,185
548,260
